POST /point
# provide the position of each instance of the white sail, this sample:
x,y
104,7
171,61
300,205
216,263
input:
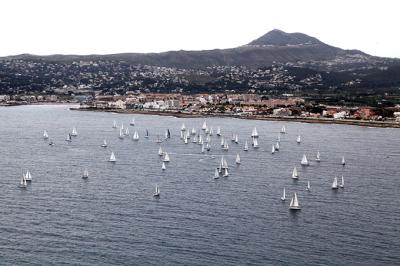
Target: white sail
x,y
298,140
85,173
226,173
236,139
294,203
273,149
22,183
295,174
204,127
163,166
157,191
218,131
193,131
74,132
68,138
246,146
222,142
135,136
216,174
254,133
202,148
114,124
342,184
185,140
335,183
277,147
211,132
166,157
132,123
283,130
126,132
160,151
318,158
255,143
278,138
283,198
208,147
343,161
121,133
104,144
308,186
45,135
304,160
112,157
237,159
28,176
183,127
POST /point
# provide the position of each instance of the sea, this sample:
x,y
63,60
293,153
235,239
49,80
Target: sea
x,y
112,218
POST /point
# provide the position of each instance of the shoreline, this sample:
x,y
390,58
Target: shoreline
x,y
363,123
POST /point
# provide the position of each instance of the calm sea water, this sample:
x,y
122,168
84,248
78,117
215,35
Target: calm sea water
x,y
112,217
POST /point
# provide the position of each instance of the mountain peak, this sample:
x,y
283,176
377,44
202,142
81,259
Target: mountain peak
x,y
280,38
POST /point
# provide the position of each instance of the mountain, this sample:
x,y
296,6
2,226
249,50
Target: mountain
x,y
275,47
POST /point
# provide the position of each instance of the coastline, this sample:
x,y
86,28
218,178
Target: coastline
x,y
363,123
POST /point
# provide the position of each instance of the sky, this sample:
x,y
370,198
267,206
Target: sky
x,y
116,26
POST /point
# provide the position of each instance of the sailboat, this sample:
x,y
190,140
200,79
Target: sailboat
x,y
283,198
163,167
294,174
157,192
114,124
104,145
304,160
204,127
255,143
22,183
216,174
273,149
222,142
318,158
158,140
45,135
278,138
74,132
185,140
211,132
28,176
121,133
298,140
183,128
283,130
308,186
233,137
343,161
237,159
225,173
68,139
342,184
208,147
194,139
126,132
132,123
218,131
202,148
236,139
168,134
277,146
135,136
254,133
225,147
112,158
147,134
294,203
160,152
166,157
85,174
335,183
193,131
246,146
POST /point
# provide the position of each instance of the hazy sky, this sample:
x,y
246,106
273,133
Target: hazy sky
x,y
115,26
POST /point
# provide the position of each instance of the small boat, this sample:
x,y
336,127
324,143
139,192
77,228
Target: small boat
x,y
135,136
194,139
160,152
121,133
236,139
28,176
203,149
22,183
147,134
283,130
233,137
204,127
225,172
163,166
343,161
211,132
255,143
126,133
74,132
225,147
246,146
85,174
104,145
157,192
295,174
304,160
278,138
318,158
193,131
158,140
166,157
335,183
208,147
114,124
185,140
342,183
218,131
51,143
183,128
273,149
216,174
132,123
45,135
294,203
254,133
298,140
68,139
308,186
112,158
237,159
283,198
167,134
222,142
